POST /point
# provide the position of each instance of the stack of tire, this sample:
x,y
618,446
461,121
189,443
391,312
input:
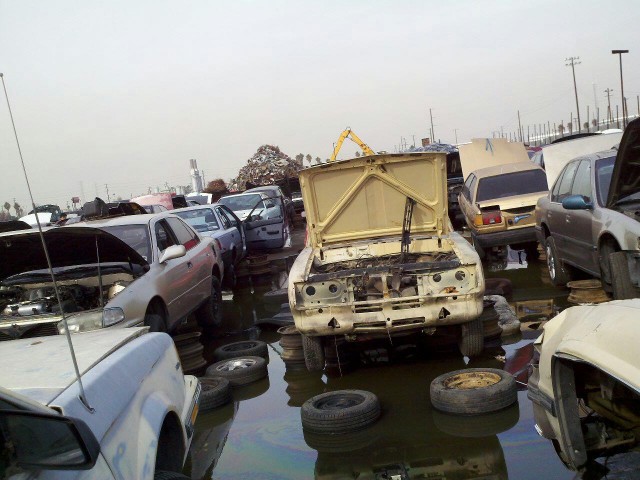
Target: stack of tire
x,y
190,352
259,264
239,364
339,356
291,343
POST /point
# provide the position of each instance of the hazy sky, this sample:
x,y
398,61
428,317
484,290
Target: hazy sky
x,y
124,93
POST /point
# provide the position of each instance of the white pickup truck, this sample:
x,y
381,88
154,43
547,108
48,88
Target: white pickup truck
x,y
139,420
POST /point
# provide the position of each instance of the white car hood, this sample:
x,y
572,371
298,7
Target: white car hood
x,y
44,217
41,368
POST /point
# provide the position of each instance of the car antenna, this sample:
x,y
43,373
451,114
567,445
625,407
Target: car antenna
x,y
83,397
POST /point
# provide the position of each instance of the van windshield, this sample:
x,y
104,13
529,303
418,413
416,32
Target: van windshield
x,y
511,184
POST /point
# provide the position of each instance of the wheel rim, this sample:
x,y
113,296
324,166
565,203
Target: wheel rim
x,y
471,381
339,402
236,364
239,346
551,264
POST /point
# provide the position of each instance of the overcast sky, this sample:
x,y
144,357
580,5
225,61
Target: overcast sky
x,y
125,92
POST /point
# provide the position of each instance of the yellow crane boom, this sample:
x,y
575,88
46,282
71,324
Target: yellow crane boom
x,y
349,133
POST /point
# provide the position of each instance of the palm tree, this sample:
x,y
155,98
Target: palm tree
x,y
7,207
18,209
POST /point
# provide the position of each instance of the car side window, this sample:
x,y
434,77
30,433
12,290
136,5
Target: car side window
x,y
163,237
466,190
185,235
564,187
472,186
223,218
582,182
225,213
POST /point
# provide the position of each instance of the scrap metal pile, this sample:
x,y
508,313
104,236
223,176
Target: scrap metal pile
x,y
434,147
267,166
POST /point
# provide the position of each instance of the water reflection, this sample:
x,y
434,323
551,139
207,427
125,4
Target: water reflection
x,y
406,442
265,439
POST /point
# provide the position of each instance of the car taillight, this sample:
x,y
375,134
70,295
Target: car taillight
x,y
488,218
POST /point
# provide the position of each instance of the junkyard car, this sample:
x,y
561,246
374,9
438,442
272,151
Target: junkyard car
x,y
221,224
298,203
498,205
123,271
585,388
274,191
138,420
381,257
263,217
589,220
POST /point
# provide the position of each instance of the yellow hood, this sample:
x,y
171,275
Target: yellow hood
x,y
365,197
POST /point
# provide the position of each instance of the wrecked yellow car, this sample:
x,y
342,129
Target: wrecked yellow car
x,y
381,257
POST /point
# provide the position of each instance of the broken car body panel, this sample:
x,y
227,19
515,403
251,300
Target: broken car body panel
x,y
588,356
357,275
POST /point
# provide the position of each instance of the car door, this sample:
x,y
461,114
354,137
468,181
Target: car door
x,y
555,215
197,283
170,281
266,230
236,231
579,223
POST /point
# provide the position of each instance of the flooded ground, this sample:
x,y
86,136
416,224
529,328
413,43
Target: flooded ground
x,y
259,435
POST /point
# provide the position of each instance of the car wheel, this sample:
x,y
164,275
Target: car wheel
x,y
472,340
210,312
557,271
215,392
313,353
239,371
620,278
340,411
254,348
230,279
473,391
155,322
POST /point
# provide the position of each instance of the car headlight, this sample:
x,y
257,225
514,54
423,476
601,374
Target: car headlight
x,y
111,316
82,322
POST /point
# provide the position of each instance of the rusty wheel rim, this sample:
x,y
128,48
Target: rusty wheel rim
x,y
471,380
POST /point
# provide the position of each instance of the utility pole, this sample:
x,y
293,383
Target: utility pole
x,y
107,187
455,132
617,117
588,120
608,91
519,126
624,110
572,63
433,132
501,132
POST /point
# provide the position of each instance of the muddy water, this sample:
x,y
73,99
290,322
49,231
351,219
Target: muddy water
x,y
259,435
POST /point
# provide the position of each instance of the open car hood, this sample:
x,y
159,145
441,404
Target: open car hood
x,y
68,246
365,197
625,179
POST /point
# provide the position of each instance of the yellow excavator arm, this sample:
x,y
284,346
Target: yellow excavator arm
x,y
349,133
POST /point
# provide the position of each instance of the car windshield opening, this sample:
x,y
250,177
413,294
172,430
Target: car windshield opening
x,y
604,170
241,202
511,184
202,219
136,236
